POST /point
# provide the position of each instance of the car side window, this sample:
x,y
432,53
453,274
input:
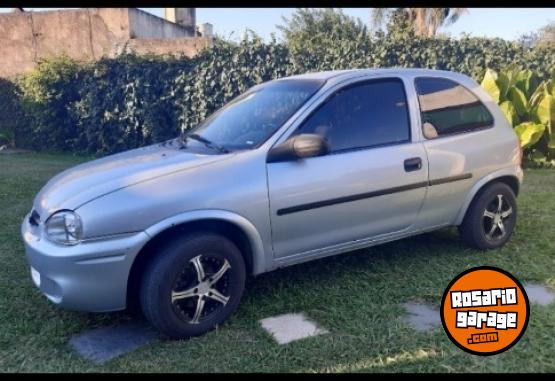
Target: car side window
x,y
368,114
447,107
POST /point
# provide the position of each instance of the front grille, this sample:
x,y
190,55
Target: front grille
x,y
34,218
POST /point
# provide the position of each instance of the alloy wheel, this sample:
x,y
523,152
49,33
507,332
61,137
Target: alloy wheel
x,y
201,290
494,218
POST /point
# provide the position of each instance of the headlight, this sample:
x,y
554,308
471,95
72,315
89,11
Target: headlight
x,y
64,227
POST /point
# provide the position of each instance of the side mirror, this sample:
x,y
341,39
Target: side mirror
x,y
298,147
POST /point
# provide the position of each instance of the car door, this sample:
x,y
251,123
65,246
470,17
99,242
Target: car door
x,y
372,182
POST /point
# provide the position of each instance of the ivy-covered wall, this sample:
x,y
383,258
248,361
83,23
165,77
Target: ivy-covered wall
x,y
130,101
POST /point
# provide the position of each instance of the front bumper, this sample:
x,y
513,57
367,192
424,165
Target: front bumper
x,y
91,276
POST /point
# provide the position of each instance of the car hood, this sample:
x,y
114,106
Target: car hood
x,y
78,185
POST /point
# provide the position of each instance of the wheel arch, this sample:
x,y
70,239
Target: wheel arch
x,y
506,176
233,226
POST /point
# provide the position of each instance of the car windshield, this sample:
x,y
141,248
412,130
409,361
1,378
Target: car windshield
x,y
251,118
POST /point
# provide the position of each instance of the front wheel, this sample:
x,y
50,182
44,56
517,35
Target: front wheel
x,y
491,218
192,285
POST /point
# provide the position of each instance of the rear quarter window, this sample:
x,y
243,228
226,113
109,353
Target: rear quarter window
x,y
447,108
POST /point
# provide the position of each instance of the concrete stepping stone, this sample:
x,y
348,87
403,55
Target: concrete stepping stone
x,y
538,293
421,316
102,344
291,327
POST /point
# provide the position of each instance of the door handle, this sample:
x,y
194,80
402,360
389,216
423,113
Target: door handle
x,y
413,164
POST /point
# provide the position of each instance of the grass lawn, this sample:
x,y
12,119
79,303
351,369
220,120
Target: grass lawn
x,y
355,296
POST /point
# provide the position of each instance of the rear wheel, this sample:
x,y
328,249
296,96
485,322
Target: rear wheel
x,y
491,218
192,285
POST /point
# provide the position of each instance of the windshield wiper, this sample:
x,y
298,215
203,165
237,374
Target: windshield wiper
x,y
206,142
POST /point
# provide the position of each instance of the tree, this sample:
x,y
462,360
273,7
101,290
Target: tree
x,y
325,39
529,40
399,25
544,37
547,36
320,25
425,21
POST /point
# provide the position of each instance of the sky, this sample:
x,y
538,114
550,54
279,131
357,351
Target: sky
x,y
507,23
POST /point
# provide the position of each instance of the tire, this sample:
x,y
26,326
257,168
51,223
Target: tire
x,y
480,228
171,290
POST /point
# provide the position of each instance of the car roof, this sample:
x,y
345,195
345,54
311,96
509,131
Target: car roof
x,y
342,74
333,77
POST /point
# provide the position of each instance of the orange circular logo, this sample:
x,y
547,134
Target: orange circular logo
x,y
485,310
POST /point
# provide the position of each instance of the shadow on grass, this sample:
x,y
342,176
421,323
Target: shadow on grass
x,y
443,246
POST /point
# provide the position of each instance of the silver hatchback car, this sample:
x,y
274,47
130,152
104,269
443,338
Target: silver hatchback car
x,y
292,170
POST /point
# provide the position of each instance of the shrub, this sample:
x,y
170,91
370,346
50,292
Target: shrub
x,y
12,117
325,39
529,106
49,92
126,103
120,103
328,40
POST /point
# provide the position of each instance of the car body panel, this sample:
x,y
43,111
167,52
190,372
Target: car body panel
x,y
147,203
91,276
473,155
85,182
334,176
513,170
259,246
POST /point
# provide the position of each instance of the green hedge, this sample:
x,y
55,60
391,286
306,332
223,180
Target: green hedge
x,y
116,104
12,117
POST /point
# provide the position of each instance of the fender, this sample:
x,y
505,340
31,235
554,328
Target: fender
x,y
512,170
258,254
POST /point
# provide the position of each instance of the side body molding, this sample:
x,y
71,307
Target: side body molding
x,y
513,171
259,261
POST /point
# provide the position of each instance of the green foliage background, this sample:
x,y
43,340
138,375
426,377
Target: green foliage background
x,y
529,106
12,116
120,103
